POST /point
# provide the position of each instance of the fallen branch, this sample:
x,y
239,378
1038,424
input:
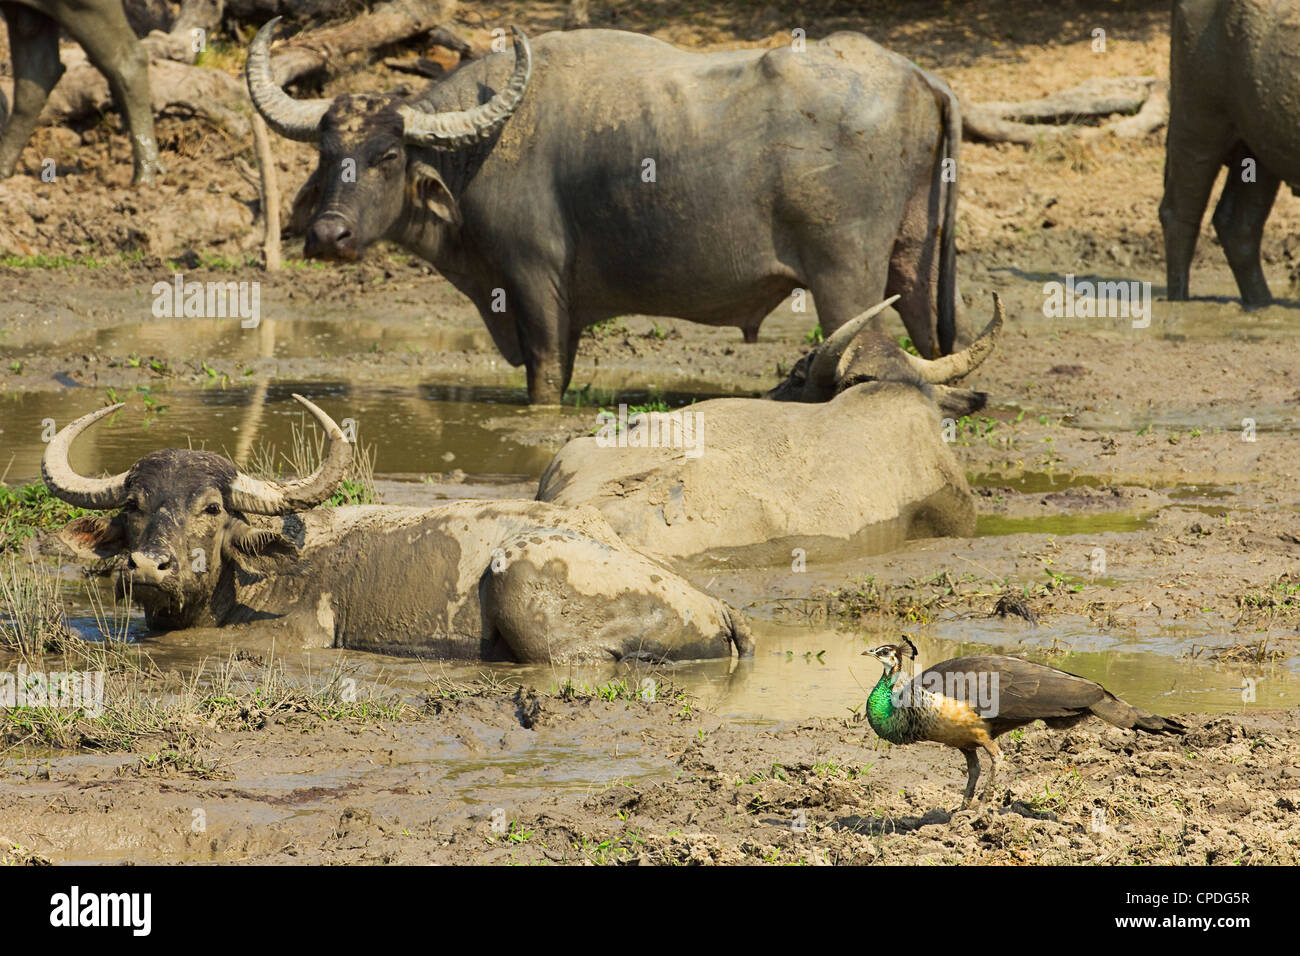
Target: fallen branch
x,y
202,91
1144,101
214,95
197,20
1153,115
386,24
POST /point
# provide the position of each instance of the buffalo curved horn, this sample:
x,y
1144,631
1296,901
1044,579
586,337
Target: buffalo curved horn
x,y
452,130
255,496
98,494
949,367
293,119
824,372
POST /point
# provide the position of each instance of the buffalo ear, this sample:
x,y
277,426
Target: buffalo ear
x,y
93,536
304,204
256,547
956,402
429,192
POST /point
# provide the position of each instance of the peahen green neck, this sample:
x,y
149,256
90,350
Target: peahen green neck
x,y
890,721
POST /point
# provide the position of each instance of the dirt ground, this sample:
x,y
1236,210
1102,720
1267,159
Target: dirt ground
x,y
475,779
1098,437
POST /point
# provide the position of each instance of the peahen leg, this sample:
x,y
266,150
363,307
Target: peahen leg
x,y
972,775
995,760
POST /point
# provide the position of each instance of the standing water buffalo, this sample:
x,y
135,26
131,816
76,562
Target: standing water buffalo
x,y
1234,95
512,580
101,28
760,478
599,172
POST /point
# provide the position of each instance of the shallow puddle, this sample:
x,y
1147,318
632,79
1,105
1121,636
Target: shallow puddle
x,y
226,337
987,525
413,430
803,671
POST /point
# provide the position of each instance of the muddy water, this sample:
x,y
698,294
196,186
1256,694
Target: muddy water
x,y
1215,312
227,338
414,430
802,671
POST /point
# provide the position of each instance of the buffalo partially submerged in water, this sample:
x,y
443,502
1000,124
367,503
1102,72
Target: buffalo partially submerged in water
x,y
599,172
474,580
761,478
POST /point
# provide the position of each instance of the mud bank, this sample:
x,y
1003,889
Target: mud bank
x,y
504,775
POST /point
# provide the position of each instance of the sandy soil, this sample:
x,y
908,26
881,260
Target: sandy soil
x,y
1097,437
680,788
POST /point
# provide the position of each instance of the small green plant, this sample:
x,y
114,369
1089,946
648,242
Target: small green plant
x,y
517,834
632,412
27,509
607,328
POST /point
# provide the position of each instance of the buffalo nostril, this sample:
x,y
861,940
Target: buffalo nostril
x,y
146,566
328,238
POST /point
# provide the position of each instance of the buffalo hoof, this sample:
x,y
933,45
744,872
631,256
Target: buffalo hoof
x,y
148,174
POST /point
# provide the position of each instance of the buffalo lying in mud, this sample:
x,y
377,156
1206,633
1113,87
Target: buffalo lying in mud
x,y
758,479
599,172
512,580
100,26
1234,100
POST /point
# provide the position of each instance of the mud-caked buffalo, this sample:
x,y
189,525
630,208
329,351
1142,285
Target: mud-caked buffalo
x,y
597,173
204,544
101,27
759,479
1234,101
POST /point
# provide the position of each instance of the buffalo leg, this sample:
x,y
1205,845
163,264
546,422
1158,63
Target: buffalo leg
x,y
34,41
844,285
112,47
548,367
543,323
559,595
1192,161
1239,222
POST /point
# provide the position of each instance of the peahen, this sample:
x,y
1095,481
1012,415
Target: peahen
x,y
968,702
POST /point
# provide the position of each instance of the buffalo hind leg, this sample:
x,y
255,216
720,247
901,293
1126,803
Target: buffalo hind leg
x,y
34,43
560,595
111,45
1239,222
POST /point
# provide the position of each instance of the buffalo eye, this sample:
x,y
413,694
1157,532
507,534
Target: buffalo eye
x,y
131,506
387,158
212,509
